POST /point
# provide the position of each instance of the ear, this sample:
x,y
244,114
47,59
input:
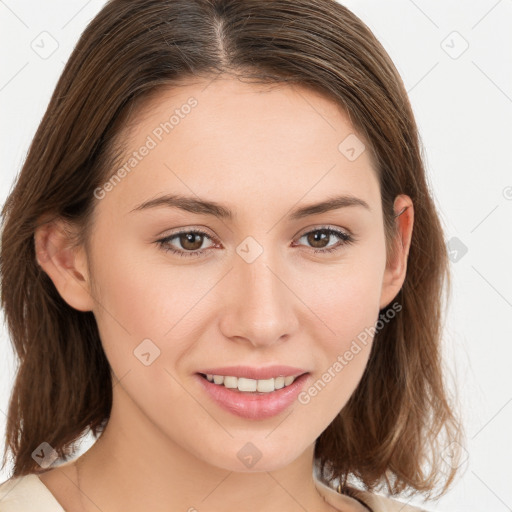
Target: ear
x,y
66,266
396,268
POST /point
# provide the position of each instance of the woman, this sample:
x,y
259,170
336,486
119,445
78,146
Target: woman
x,y
221,258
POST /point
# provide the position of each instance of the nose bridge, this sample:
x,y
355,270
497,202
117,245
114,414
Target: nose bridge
x,y
259,283
261,307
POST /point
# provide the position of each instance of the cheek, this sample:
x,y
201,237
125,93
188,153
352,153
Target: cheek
x,y
344,298
353,311
137,293
137,310
349,307
355,307
127,304
346,301
143,299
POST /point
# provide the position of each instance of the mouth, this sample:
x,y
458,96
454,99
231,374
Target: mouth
x,y
252,404
251,386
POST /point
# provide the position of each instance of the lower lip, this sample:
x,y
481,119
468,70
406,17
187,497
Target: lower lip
x,y
254,406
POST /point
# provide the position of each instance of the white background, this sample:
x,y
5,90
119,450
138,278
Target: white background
x,y
462,99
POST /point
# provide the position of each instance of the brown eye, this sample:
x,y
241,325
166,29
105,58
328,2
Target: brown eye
x,y
191,241
319,239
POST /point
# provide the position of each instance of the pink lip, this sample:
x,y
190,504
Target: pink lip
x,y
254,406
250,372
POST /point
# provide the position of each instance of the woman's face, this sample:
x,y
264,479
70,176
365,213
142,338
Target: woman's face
x,y
256,294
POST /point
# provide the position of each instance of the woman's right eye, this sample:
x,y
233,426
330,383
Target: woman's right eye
x,y
185,238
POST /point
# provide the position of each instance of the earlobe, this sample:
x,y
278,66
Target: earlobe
x,y
65,265
396,268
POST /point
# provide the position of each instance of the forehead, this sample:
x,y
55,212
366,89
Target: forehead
x,y
226,138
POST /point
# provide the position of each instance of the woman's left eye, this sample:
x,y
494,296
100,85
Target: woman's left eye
x,y
194,240
321,235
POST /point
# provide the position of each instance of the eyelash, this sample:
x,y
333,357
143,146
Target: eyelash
x,y
163,243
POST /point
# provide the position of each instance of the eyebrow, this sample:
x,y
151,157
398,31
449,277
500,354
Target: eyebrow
x,y
203,207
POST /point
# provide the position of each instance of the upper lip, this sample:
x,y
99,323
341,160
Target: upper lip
x,y
250,372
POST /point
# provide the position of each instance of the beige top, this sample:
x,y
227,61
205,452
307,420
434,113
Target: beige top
x,y
28,494
374,502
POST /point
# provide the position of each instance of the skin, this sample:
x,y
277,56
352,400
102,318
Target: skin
x,y
261,151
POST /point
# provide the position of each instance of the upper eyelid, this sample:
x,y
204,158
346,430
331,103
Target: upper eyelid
x,y
324,227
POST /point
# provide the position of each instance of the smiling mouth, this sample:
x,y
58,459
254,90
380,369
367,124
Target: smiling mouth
x,y
254,386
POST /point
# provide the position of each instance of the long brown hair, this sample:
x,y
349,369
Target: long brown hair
x,y
395,426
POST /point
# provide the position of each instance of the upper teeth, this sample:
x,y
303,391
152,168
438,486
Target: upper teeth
x,y
243,384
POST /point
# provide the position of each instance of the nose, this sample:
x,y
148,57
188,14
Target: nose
x,y
259,305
